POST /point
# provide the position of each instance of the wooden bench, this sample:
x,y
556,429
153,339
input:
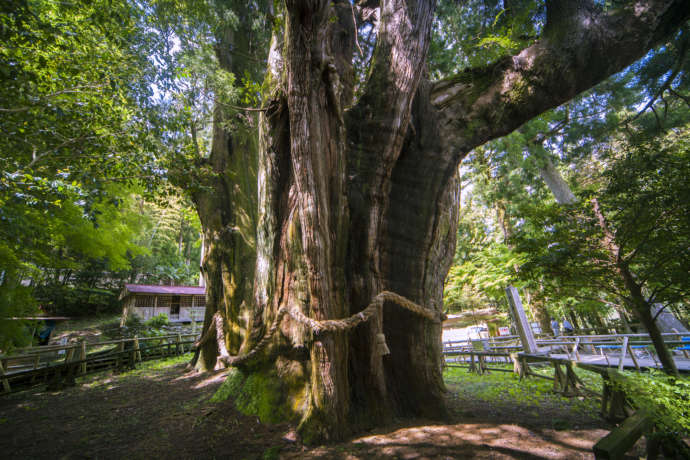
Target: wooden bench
x,y
615,444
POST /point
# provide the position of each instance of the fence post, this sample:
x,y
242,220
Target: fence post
x,y
137,349
575,354
5,381
559,384
83,357
133,355
120,349
634,358
68,378
179,347
517,368
624,349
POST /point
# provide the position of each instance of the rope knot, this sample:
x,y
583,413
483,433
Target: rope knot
x,y
381,348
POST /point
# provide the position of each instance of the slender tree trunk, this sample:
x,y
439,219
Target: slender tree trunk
x,y
639,304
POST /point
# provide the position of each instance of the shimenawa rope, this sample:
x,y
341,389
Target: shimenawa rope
x,y
330,325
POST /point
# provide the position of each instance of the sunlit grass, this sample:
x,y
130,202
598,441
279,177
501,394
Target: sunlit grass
x,y
146,369
529,394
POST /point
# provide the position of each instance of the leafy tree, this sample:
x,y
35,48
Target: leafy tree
x,y
79,129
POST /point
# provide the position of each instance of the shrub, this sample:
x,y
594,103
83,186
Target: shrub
x,y
158,321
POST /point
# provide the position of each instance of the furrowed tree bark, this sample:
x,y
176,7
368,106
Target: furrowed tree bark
x,y
227,207
360,196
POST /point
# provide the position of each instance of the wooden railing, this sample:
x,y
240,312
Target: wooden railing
x,y
623,344
615,405
58,365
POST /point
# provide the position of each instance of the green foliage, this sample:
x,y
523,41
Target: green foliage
x,y
157,321
665,398
645,203
133,322
478,32
633,163
74,95
272,453
482,268
170,234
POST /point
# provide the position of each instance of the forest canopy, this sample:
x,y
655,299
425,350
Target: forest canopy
x,y
330,151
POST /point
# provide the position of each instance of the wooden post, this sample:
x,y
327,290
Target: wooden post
x,y
178,346
575,354
133,356
120,349
572,381
517,367
621,439
606,396
68,378
523,326
5,381
559,384
634,358
82,366
36,362
137,349
472,368
69,354
624,350
680,339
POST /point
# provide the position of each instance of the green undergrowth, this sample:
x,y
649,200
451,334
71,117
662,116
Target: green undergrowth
x,y
664,398
147,367
505,391
258,393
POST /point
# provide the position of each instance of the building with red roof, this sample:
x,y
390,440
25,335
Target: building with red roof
x,y
180,303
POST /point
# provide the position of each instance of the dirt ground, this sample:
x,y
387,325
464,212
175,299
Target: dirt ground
x,y
161,411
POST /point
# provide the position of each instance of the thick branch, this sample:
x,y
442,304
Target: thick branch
x,y
574,54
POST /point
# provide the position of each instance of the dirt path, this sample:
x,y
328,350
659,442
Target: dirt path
x,y
162,412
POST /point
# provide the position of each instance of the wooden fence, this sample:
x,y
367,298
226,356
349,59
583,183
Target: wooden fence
x,y
58,365
615,405
621,346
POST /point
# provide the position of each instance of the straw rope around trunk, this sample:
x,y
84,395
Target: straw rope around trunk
x,y
324,325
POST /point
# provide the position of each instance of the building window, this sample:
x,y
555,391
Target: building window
x,y
175,307
199,301
186,301
144,301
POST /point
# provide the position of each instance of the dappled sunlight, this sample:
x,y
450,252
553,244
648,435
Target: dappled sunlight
x,y
211,380
508,439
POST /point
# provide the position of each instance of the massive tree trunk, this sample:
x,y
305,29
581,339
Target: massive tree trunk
x,y
227,207
359,196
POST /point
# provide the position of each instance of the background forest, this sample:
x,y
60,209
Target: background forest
x,y
106,109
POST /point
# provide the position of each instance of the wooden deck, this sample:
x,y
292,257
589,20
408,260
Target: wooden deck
x,y
614,361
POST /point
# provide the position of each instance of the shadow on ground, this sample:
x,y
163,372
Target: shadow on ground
x,y
163,412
